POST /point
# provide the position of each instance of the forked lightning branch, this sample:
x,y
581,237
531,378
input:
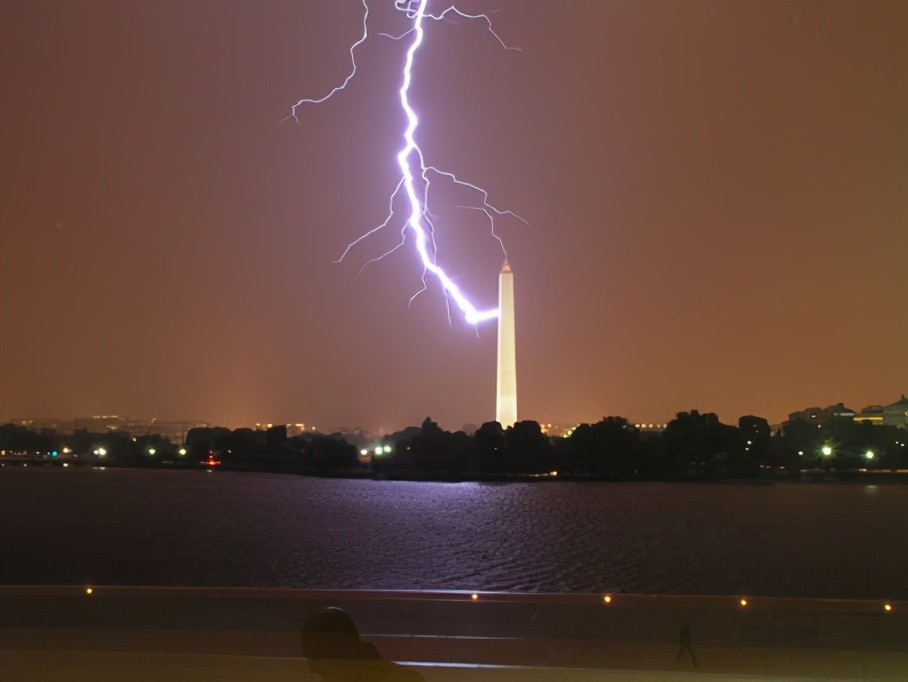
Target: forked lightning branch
x,y
414,187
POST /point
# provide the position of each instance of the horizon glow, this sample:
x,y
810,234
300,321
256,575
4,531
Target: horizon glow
x,y
416,183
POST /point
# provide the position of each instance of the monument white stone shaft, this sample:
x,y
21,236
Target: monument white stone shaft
x,y
506,396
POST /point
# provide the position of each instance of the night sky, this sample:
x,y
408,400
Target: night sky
x,y
717,198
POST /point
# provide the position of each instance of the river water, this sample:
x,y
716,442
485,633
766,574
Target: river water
x,y
195,528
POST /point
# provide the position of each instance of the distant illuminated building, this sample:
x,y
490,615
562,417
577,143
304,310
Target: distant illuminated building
x,y
506,393
872,414
819,415
558,430
100,423
896,414
650,427
44,424
295,429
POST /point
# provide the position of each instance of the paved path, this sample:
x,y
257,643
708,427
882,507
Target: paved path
x,y
156,633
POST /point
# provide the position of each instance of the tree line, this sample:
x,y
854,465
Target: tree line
x,y
693,445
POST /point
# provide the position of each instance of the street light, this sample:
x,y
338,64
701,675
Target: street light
x,y
869,454
826,450
151,451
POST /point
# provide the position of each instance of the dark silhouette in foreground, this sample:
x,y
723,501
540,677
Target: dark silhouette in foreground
x,y
330,640
685,646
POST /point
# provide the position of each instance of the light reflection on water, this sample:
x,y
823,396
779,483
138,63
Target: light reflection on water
x,y
224,529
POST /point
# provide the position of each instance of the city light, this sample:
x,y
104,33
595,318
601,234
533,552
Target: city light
x,y
607,599
743,602
474,596
826,450
88,590
151,451
869,454
887,607
182,452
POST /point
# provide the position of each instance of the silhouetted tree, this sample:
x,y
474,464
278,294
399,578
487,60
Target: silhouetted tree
x,y
610,447
528,449
330,453
756,437
798,444
699,444
276,439
21,439
430,451
201,441
490,447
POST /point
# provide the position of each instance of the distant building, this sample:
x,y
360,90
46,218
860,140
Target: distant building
x,y
176,432
896,414
44,424
650,428
872,414
557,430
100,423
296,429
819,415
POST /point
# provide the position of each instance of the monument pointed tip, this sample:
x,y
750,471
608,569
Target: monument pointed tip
x,y
506,267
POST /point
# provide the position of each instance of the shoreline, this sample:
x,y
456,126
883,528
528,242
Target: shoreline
x,y
804,477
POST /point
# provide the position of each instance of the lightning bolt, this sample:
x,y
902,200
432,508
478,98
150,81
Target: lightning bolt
x,y
416,175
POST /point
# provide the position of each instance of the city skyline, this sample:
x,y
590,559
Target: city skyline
x,y
714,192
871,413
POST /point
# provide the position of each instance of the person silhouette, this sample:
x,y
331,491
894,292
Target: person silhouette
x,y
330,641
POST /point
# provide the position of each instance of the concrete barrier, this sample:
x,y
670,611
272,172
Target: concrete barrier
x,y
68,632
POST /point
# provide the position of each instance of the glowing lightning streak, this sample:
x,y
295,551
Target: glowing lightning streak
x,y
419,210
471,313
349,75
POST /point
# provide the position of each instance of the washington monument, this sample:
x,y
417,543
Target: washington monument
x,y
506,396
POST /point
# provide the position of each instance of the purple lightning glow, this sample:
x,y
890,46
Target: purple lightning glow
x,y
416,184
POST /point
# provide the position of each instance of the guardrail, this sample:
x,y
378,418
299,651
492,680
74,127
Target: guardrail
x,y
467,632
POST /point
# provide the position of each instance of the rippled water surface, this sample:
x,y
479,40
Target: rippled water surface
x,y
138,527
